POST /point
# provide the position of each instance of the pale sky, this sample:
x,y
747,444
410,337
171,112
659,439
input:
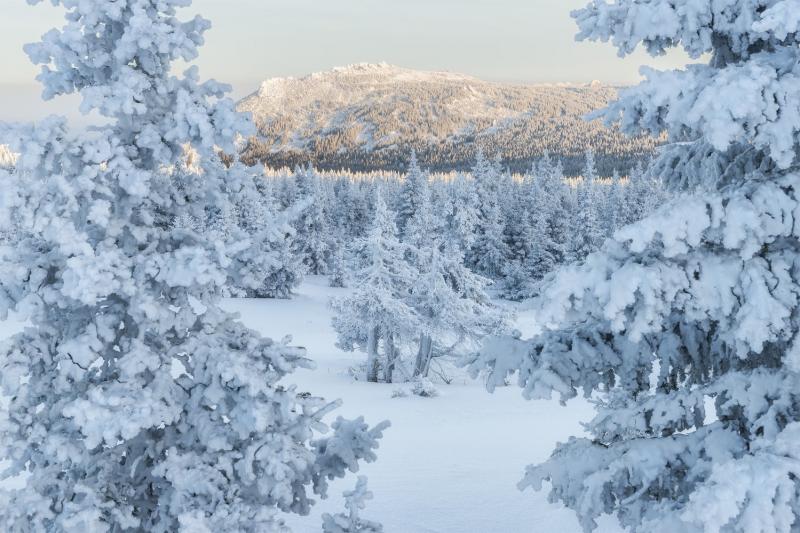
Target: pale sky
x,y
525,41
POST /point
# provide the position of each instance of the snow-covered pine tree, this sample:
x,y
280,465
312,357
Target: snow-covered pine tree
x,y
589,173
414,186
264,262
286,192
450,301
277,269
684,328
452,306
338,275
636,198
551,213
441,197
357,214
305,179
586,230
135,402
525,242
355,502
518,227
313,237
463,217
510,200
376,312
517,281
615,207
543,257
424,228
489,252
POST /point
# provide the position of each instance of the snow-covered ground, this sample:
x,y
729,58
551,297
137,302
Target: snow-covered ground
x,y
448,464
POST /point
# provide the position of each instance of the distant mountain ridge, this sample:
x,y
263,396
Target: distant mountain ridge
x,y
370,117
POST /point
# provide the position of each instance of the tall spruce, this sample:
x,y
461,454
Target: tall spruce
x,y
135,402
313,240
451,305
414,186
684,328
489,252
376,317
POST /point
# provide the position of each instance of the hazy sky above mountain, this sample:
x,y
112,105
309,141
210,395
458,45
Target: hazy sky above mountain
x,y
525,41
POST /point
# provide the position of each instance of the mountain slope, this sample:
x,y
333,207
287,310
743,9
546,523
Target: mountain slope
x,y
369,117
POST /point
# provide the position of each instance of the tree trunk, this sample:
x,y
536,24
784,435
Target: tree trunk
x,y
422,363
372,355
391,357
428,359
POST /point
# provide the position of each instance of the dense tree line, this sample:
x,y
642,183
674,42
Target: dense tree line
x,y
512,229
612,154
422,255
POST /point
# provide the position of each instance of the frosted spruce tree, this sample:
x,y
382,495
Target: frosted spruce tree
x,y
423,227
488,253
452,308
462,218
589,173
449,301
684,327
135,402
377,314
261,239
586,231
413,187
643,194
614,215
551,217
338,276
313,244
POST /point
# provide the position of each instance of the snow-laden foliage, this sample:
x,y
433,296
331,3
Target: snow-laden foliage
x,y
449,300
355,502
414,186
262,262
745,96
338,276
462,218
542,229
134,401
489,250
415,292
684,327
514,229
587,228
377,315
424,388
312,243
265,265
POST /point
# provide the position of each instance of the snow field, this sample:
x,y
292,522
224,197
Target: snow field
x,y
448,464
